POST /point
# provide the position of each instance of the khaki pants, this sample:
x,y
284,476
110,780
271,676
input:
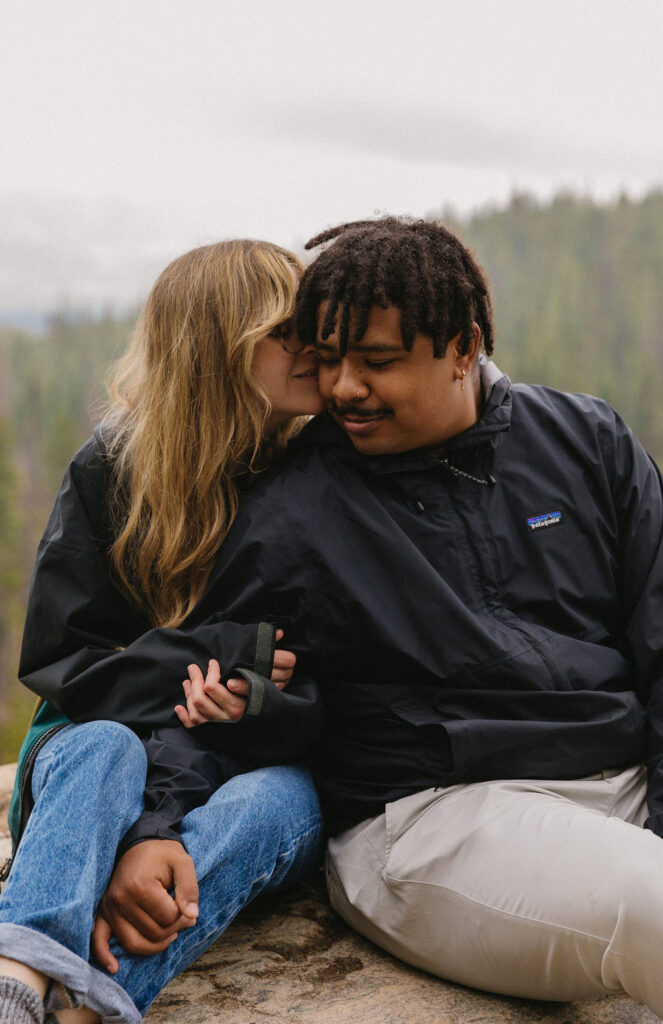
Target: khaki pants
x,y
546,890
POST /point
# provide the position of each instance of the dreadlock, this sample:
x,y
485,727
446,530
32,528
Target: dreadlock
x,y
416,265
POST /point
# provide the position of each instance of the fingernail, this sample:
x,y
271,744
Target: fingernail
x,y
172,938
192,910
231,684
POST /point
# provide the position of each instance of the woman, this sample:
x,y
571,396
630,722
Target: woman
x,y
207,395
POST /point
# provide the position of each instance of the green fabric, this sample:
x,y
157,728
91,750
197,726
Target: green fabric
x,y
264,649
256,691
46,717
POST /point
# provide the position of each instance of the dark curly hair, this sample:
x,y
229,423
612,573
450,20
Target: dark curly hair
x,y
416,265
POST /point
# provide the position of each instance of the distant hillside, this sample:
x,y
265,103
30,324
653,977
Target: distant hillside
x,y
50,386
578,296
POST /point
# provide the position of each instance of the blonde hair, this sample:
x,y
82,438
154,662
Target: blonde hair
x,y
187,416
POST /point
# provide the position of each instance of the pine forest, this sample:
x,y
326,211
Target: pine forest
x,y
578,299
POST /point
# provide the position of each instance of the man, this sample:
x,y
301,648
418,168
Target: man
x,y
472,572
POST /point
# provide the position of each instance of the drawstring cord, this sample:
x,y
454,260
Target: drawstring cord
x,y
488,482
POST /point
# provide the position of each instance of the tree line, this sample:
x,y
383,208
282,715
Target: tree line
x,y
578,302
578,306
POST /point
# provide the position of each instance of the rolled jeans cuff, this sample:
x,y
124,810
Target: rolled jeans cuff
x,y
85,985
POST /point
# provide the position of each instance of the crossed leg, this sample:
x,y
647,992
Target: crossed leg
x,y
260,831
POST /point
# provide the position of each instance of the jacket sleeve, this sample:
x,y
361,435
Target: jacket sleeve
x,y
638,495
74,656
88,652
186,766
85,648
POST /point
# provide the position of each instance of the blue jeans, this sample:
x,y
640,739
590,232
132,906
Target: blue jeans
x,y
258,832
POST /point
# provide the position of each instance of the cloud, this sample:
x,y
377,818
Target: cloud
x,y
58,253
427,132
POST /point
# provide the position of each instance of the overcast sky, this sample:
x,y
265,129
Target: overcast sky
x,y
132,130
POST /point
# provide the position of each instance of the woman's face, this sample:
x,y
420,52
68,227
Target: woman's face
x,y
287,375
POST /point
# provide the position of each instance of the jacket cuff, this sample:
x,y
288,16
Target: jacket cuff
x,y
256,695
264,655
148,826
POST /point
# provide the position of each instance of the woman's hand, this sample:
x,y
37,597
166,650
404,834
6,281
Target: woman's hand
x,y
208,700
137,907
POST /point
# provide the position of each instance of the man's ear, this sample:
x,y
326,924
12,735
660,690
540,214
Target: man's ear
x,y
467,360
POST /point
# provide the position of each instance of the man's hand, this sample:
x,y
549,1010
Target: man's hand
x,y
283,665
137,907
208,700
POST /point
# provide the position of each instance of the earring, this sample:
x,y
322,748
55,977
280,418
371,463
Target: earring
x,y
357,395
462,380
332,387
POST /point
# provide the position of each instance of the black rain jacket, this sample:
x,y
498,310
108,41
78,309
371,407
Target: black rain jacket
x,y
491,610
90,654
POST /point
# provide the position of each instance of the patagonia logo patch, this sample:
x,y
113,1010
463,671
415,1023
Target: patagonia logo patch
x,y
535,523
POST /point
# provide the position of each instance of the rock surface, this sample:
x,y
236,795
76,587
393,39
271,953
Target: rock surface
x,y
289,958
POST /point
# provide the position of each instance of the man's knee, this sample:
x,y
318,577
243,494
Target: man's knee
x,y
283,792
638,891
268,808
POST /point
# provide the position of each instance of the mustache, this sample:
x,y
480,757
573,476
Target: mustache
x,y
358,413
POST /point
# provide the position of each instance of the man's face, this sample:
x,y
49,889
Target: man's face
x,y
387,399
